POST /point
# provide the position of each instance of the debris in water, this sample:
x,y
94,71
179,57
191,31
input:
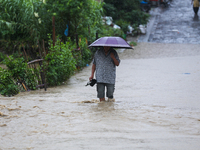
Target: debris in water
x,y
3,125
2,106
11,109
92,101
41,100
35,106
2,114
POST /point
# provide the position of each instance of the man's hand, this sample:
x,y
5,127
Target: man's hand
x,y
112,55
114,59
90,78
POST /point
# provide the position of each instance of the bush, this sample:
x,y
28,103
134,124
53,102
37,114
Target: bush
x,y
7,84
2,57
123,24
132,43
17,67
61,63
32,78
84,55
20,72
110,31
128,11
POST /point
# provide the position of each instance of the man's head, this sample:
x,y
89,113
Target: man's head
x,y
106,48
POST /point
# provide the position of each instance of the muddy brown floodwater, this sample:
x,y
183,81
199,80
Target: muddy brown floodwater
x,y
157,107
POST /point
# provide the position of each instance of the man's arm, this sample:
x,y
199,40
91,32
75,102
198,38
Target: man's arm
x,y
92,73
116,62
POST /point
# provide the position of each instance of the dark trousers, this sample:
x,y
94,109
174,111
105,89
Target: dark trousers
x,y
196,9
101,90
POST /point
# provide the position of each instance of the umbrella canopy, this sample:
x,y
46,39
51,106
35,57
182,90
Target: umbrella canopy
x,y
116,42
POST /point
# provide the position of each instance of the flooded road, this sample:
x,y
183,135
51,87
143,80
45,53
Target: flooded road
x,y
157,107
157,98
176,23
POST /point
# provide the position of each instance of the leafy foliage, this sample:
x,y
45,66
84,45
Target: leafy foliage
x,y
18,21
61,63
25,23
17,66
2,56
82,16
133,43
83,55
29,21
123,24
7,85
86,53
110,31
128,11
21,73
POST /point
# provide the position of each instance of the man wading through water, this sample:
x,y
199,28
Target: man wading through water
x,y
104,63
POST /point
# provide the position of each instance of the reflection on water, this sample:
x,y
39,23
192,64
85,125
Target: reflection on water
x,y
196,18
157,107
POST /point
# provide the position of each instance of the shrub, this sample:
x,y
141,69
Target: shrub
x,y
20,72
7,84
110,31
132,43
61,63
17,67
2,57
84,55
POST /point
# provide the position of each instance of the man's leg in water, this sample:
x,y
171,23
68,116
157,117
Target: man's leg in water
x,y
101,91
110,92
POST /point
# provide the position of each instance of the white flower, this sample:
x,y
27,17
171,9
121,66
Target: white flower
x,y
36,14
39,20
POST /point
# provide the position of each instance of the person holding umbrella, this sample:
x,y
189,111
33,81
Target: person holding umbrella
x,y
104,63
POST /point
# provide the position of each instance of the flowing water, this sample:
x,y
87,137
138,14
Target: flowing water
x,y
157,107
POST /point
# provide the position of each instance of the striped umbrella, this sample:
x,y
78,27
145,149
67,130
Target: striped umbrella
x,y
115,42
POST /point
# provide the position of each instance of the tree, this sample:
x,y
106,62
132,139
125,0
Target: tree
x,y
79,15
29,21
18,20
20,23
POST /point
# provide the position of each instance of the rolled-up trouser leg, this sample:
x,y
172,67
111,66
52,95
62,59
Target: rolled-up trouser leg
x,y
101,90
110,90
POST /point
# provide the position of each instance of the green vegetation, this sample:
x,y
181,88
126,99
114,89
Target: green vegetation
x,y
125,13
133,43
2,57
110,31
28,22
20,72
25,35
7,85
61,63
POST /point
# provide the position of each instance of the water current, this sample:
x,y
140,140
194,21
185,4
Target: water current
x,y
157,107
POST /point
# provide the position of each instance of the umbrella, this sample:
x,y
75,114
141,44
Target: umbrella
x,y
116,42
